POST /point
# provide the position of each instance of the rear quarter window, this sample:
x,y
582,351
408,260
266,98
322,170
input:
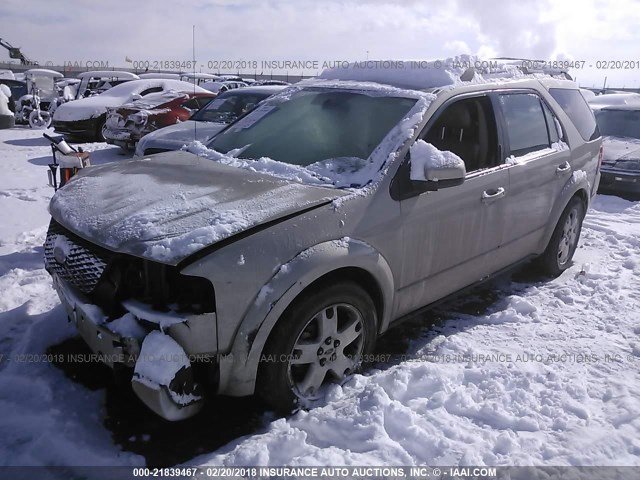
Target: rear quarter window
x,y
577,109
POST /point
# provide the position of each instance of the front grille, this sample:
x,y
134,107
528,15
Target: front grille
x,y
73,259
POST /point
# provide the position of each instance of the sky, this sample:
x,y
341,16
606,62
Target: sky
x,y
242,32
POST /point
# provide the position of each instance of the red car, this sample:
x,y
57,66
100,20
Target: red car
x,y
128,123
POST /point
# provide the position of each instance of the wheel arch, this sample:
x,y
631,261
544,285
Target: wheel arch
x,y
573,189
345,259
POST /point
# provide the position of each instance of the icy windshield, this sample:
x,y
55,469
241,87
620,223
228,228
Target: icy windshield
x,y
315,125
619,123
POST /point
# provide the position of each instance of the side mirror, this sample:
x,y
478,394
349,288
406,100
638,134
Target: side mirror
x,y
136,96
435,168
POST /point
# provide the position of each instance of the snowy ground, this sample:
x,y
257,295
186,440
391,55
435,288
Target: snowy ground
x,y
520,372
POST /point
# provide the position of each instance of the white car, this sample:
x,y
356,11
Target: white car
x,y
86,117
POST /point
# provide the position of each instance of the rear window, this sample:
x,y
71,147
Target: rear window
x,y
576,108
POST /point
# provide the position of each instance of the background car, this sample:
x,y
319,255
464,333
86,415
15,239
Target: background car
x,y
85,117
95,82
620,126
222,86
128,123
205,123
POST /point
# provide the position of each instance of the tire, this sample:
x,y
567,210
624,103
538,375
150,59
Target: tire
x,y
290,377
7,121
564,241
39,122
99,136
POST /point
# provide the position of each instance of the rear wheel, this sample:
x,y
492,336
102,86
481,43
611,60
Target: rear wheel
x,y
564,241
323,337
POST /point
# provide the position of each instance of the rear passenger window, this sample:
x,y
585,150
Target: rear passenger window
x,y
576,108
526,123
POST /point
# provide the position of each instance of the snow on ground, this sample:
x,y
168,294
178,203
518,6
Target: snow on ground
x,y
548,374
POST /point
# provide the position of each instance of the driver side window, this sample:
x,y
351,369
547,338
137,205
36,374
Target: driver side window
x,y
467,128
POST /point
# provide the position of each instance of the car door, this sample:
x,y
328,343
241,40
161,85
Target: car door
x,y
538,167
448,235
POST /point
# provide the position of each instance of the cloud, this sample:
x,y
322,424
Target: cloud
x,y
332,30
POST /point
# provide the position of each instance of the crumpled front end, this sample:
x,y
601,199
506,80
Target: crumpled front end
x,y
125,127
139,317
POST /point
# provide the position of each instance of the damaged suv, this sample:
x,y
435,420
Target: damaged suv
x,y
269,260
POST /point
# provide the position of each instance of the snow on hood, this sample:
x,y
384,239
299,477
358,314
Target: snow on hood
x,y
175,136
154,100
166,207
91,107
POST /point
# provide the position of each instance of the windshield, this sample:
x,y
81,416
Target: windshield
x,y
315,125
228,106
619,123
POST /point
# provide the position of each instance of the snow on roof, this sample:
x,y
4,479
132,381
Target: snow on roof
x,y
429,74
208,76
168,76
7,74
109,74
42,72
615,99
138,86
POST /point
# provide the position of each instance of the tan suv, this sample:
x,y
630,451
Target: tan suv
x,y
272,260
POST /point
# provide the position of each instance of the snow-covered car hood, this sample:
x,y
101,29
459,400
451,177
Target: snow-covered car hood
x,y
175,136
85,108
91,107
623,153
168,206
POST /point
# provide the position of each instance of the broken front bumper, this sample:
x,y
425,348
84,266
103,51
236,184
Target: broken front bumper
x,y
173,397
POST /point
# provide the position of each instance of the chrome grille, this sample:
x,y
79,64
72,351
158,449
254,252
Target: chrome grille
x,y
74,260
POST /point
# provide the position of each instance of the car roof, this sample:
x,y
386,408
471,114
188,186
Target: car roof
x,y
109,74
264,89
439,74
615,99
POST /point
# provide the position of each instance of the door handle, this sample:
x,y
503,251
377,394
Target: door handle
x,y
564,168
489,196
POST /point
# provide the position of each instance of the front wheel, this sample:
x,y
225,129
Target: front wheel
x,y
564,241
323,337
39,119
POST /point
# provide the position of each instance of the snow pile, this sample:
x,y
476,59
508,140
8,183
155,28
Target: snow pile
x,y
160,359
4,103
424,155
548,376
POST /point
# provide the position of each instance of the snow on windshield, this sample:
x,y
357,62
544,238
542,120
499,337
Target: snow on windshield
x,y
303,139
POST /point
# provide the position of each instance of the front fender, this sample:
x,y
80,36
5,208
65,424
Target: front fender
x,y
238,371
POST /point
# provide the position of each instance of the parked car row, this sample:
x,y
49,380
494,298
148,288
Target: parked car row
x,y
309,225
208,121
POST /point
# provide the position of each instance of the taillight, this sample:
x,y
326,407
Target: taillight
x,y
600,157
